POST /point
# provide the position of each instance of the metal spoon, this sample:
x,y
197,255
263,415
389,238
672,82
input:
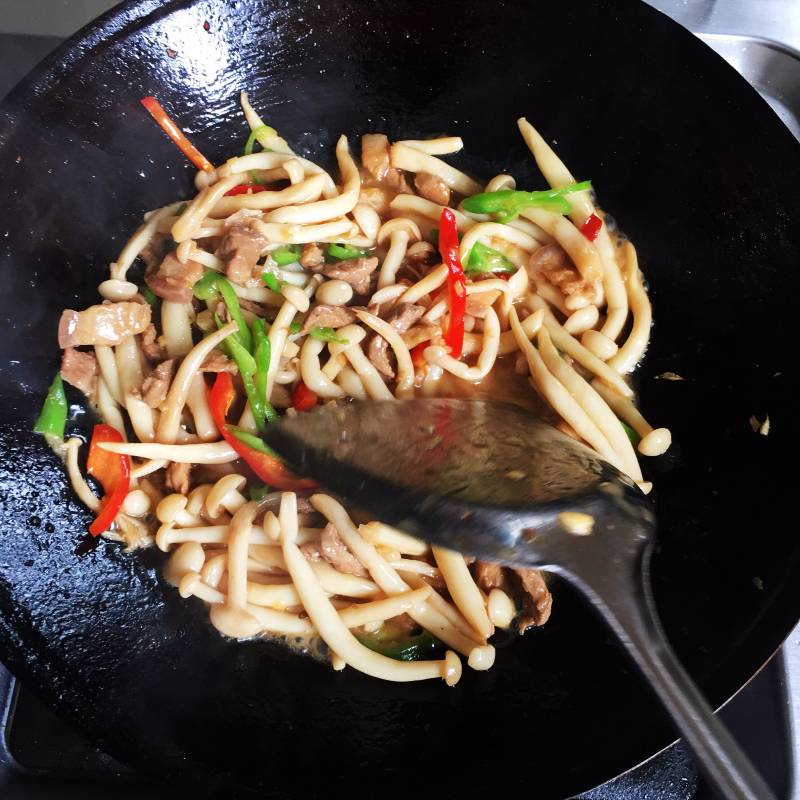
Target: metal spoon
x,y
495,482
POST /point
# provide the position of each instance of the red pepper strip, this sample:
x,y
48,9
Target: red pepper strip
x,y
303,398
114,473
244,188
418,355
268,468
591,228
176,134
456,283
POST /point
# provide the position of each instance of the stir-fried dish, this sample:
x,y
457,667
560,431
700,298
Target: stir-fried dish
x,y
279,287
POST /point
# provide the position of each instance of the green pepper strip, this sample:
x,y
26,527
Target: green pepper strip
x,y
325,334
251,440
421,647
53,417
153,300
507,204
258,491
344,252
486,259
287,254
631,433
247,371
262,351
294,328
271,282
258,133
212,284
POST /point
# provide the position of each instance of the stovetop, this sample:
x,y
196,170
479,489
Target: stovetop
x,y
42,758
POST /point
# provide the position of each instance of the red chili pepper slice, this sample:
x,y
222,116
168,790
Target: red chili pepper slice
x,y
176,134
418,355
244,188
113,471
303,398
591,228
268,468
456,282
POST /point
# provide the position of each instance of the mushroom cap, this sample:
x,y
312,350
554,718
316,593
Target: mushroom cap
x,y
220,490
237,623
188,557
170,507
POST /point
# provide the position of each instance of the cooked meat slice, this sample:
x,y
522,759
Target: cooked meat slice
x,y
488,575
378,353
155,250
323,316
375,157
421,252
152,350
106,324
552,262
479,304
253,307
312,256
240,248
418,260
432,188
80,370
156,385
335,552
172,280
538,600
177,477
425,332
375,154
311,550
396,180
218,362
355,271
377,198
401,319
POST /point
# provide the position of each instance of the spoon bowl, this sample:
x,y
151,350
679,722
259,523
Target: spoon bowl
x,y
495,482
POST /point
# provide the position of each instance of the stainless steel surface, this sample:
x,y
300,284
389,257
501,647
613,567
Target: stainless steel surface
x,y
790,657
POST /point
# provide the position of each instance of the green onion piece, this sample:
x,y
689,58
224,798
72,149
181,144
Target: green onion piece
x,y
420,647
262,352
251,440
257,134
181,208
287,254
213,284
258,491
271,282
631,433
53,417
326,335
343,252
507,203
486,259
294,328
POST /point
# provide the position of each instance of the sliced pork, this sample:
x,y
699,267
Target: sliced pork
x,y
80,370
106,324
172,280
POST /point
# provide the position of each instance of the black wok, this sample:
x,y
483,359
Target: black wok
x,y
703,178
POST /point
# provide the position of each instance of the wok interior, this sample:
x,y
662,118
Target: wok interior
x,y
712,233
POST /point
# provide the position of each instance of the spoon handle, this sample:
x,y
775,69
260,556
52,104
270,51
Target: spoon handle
x,y
626,604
